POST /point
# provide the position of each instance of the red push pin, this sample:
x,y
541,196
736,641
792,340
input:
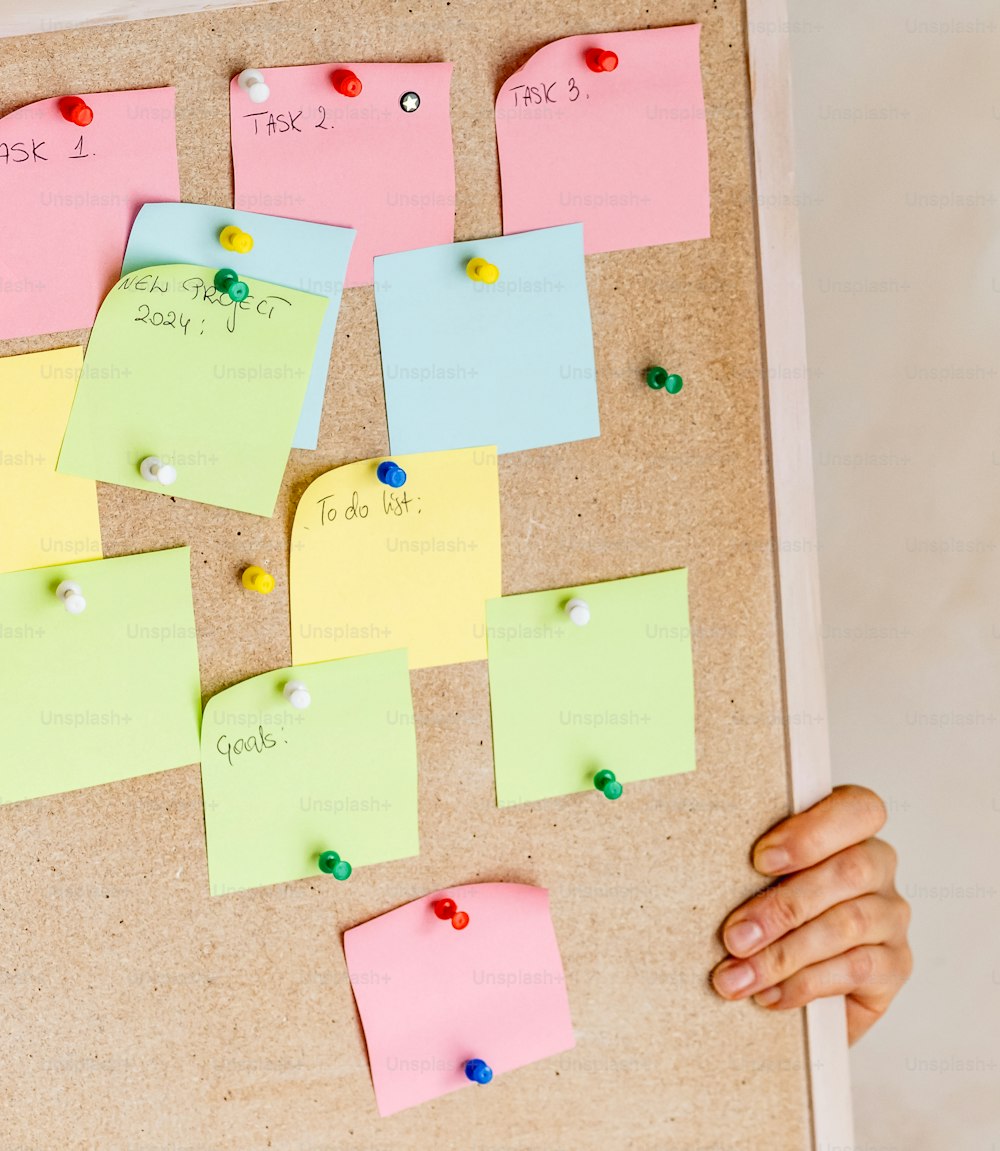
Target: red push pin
x,y
600,61
447,909
76,111
346,83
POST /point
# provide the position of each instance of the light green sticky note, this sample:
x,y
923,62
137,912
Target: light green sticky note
x,y
179,371
615,694
282,784
106,694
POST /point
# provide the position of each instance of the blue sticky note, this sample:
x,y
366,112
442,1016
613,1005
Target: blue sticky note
x,y
293,253
466,363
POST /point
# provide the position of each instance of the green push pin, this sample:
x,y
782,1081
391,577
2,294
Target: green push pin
x,y
330,863
226,280
605,781
660,378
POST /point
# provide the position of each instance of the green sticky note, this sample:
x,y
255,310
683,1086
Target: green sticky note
x,y
282,785
177,370
108,694
616,694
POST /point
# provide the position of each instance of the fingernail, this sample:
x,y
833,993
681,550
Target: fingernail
x,y
767,998
772,859
730,980
742,936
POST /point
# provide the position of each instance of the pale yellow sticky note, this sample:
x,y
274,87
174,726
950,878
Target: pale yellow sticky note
x,y
45,518
375,567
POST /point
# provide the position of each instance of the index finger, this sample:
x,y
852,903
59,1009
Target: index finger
x,y
847,816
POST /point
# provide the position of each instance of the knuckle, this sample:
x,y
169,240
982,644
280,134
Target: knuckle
x,y
808,843
906,962
775,962
806,986
889,855
856,920
782,910
854,869
861,966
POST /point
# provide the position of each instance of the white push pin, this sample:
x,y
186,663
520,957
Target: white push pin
x,y
253,83
71,595
297,694
155,471
578,612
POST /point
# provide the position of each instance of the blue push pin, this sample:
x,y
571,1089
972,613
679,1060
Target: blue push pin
x,y
478,1071
391,473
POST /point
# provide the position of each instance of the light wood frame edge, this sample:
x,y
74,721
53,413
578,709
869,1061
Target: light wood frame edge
x,y
786,383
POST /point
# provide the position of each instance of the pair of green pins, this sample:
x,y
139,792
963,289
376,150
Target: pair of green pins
x,y
227,281
660,378
330,863
607,782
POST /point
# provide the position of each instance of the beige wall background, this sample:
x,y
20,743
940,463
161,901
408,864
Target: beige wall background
x,y
897,107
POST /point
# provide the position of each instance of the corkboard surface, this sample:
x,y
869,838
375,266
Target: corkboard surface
x,y
142,1015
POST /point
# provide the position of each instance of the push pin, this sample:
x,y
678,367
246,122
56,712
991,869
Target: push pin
x,y
391,473
154,471
226,280
660,378
297,694
72,597
607,782
253,83
346,83
234,239
76,111
256,579
447,909
478,1071
578,611
330,863
409,101
600,61
482,271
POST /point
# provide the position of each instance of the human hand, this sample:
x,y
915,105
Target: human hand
x,y
833,923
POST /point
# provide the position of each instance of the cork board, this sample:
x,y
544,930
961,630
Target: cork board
x,y
144,1015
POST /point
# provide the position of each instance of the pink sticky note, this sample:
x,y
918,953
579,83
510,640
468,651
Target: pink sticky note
x,y
70,194
379,162
431,998
624,152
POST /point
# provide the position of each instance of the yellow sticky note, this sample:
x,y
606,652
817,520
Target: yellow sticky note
x,y
105,694
375,567
177,370
45,518
284,784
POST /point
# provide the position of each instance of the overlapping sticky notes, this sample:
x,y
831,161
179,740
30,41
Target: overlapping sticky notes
x,y
569,701
380,162
625,151
509,363
283,785
70,194
374,567
44,517
177,370
290,252
107,694
432,998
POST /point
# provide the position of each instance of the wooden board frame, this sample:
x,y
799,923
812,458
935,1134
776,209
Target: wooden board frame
x,y
794,518
787,377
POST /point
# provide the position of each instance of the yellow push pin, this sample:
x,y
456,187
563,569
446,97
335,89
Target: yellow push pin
x,y
234,239
482,271
256,579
